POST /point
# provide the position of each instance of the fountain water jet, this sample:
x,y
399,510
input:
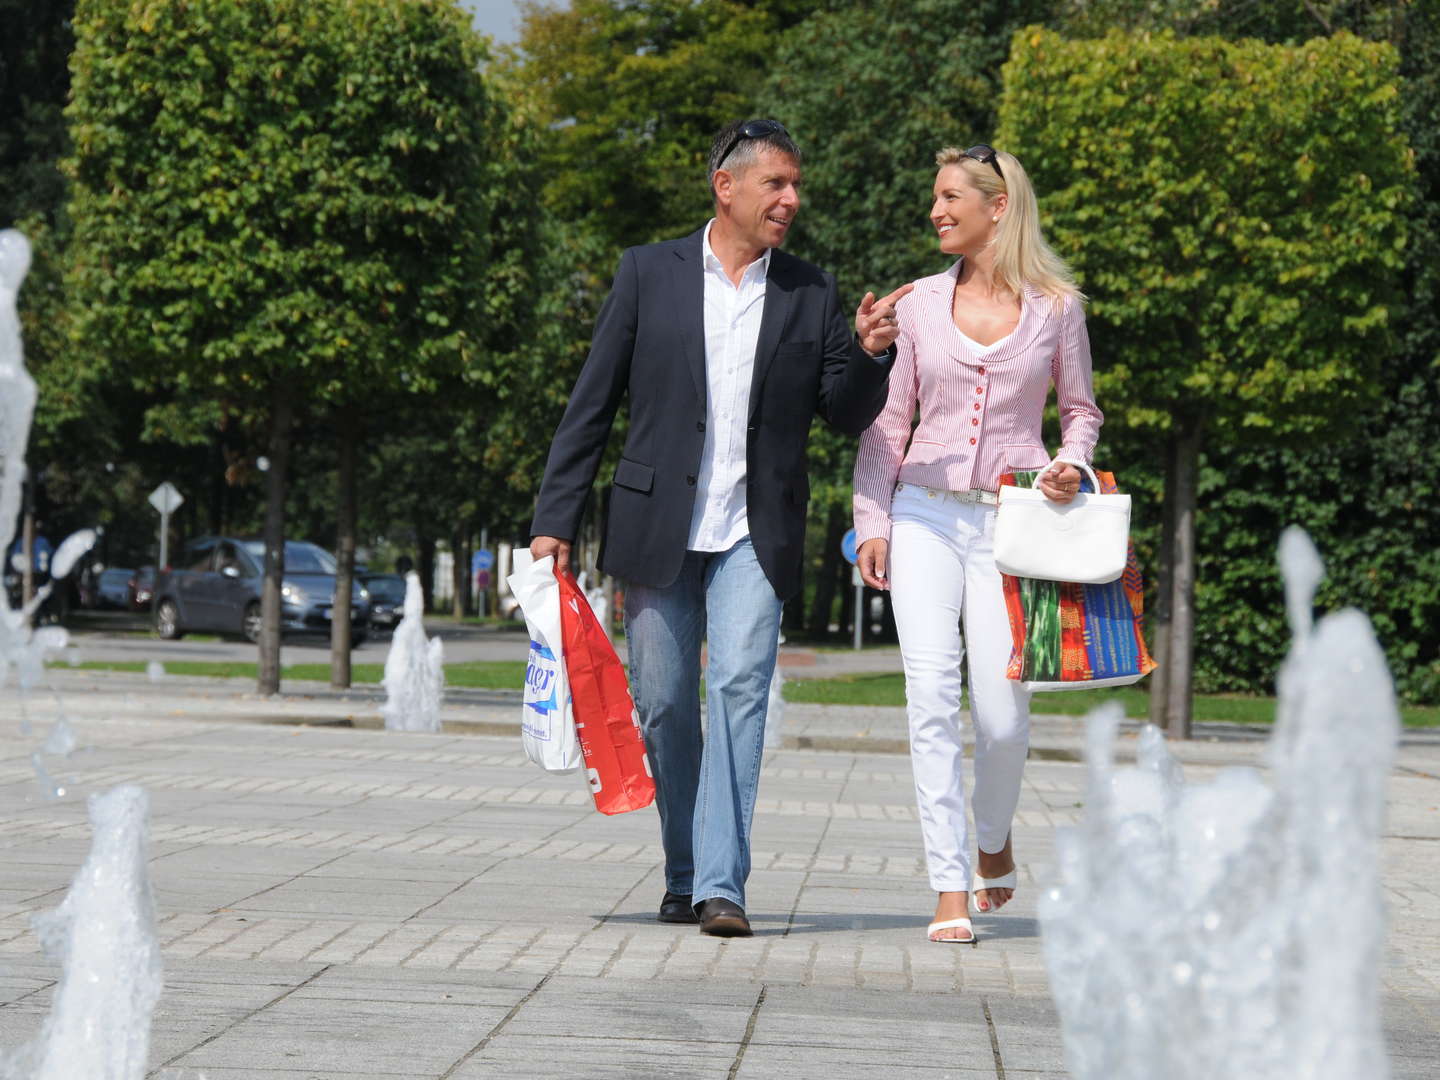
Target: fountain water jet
x,y
1195,931
103,933
414,669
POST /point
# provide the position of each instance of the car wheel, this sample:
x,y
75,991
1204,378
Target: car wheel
x,y
251,623
167,621
357,638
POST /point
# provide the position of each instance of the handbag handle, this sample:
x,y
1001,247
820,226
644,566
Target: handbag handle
x,y
1082,466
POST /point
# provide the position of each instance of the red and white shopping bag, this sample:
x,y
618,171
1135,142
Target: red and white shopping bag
x,y
605,716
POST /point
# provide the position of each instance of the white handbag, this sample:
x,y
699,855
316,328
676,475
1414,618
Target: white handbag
x,y
1083,541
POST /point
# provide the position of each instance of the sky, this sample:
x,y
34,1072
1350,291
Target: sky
x,y
498,18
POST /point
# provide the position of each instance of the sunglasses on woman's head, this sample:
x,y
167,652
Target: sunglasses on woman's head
x,y
986,155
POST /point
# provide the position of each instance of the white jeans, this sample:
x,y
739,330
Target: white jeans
x,y
942,572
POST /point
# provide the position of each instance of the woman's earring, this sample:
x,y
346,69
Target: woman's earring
x,y
995,221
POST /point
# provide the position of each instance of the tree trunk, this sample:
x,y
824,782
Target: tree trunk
x,y
823,602
1170,695
459,572
282,416
348,430
425,566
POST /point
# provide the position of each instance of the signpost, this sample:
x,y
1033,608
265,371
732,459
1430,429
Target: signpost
x,y
166,499
847,548
482,562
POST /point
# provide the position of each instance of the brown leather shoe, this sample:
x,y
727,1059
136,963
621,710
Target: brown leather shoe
x,y
675,907
722,918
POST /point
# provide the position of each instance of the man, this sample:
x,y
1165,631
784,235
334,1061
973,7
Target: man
x,y
727,347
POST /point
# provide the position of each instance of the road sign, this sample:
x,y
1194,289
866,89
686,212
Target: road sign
x,y
482,579
166,499
847,546
483,559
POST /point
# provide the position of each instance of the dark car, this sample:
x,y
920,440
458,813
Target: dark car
x,y
215,585
112,588
387,599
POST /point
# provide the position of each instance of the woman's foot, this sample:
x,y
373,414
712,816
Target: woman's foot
x,y
952,905
991,866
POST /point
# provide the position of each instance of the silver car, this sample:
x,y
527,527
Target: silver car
x,y
215,584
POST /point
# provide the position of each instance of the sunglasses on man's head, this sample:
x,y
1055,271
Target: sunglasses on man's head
x,y
986,156
751,129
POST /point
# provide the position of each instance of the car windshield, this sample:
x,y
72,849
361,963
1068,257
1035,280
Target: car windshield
x,y
300,557
387,588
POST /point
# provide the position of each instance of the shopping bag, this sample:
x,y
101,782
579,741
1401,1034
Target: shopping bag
x,y
605,716
547,724
1073,636
1083,540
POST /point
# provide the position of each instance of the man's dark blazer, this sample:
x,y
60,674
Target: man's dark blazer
x,y
650,341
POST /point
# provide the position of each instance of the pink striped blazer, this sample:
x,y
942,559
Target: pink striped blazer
x,y
980,407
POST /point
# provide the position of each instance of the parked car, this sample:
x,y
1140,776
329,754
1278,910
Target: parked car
x,y
215,585
387,599
112,588
142,588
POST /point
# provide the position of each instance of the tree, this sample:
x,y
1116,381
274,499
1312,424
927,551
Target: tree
x,y
276,208
867,183
1236,213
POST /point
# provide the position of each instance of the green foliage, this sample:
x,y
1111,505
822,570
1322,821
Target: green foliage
x,y
630,95
1236,212
296,190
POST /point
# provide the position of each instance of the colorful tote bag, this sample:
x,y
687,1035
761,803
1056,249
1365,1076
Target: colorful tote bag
x,y
1065,636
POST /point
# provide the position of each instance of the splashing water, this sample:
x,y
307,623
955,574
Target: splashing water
x,y
24,650
1194,932
103,934
414,669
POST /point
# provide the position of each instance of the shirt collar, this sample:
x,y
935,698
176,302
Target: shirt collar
x,y
712,261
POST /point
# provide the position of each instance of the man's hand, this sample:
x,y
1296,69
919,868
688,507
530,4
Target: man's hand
x,y
875,320
552,545
873,559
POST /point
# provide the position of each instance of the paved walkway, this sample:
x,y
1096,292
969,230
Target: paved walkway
x,y
343,902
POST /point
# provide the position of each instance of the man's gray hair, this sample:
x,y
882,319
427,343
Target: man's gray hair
x,y
736,152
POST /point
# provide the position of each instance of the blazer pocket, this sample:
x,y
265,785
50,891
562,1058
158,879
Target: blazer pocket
x,y
924,452
1026,456
633,475
796,348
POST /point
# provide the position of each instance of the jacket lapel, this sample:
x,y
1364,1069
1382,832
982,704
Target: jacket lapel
x,y
690,308
778,293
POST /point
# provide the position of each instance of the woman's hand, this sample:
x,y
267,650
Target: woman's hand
x,y
1060,483
872,559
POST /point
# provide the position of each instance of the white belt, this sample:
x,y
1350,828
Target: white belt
x,y
974,495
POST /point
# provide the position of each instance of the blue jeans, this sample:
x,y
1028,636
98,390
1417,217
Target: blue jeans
x,y
705,789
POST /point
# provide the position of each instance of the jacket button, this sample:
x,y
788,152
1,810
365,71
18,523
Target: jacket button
x,y
982,371
690,480
699,425
974,422
972,442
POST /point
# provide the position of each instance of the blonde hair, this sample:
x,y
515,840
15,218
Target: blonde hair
x,y
1022,256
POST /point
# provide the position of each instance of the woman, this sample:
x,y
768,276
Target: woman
x,y
978,349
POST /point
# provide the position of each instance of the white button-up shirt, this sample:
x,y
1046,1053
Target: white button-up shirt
x,y
732,328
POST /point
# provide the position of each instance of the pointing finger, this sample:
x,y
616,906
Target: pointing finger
x,y
899,293
867,303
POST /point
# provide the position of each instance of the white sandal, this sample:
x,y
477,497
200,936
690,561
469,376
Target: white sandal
x,y
1004,881
946,924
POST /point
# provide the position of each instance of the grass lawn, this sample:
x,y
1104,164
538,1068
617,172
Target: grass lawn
x,y
889,689
864,689
479,674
